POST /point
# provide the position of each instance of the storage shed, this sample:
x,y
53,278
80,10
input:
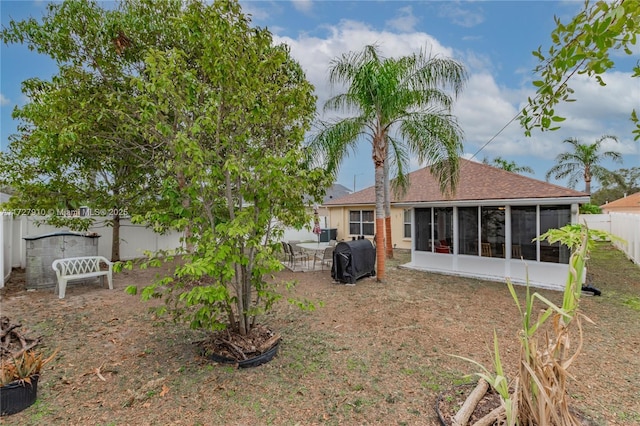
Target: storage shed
x,y
43,249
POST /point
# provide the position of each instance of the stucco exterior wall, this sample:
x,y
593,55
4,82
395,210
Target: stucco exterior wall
x,y
339,218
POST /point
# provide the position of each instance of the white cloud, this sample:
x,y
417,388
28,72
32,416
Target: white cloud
x,y
4,100
304,6
314,53
257,13
484,107
405,21
462,16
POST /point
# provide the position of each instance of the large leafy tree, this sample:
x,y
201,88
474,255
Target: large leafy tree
x,y
588,44
618,184
582,162
402,106
72,149
228,112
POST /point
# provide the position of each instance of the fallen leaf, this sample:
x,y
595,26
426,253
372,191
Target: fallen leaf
x,y
165,390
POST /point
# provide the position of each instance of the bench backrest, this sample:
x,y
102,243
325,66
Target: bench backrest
x,y
78,265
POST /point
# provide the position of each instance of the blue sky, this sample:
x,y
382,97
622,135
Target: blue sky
x,y
493,39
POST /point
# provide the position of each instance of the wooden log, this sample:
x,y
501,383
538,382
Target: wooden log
x,y
462,416
490,418
269,343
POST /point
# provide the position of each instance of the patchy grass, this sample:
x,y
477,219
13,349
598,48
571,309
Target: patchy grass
x,y
373,354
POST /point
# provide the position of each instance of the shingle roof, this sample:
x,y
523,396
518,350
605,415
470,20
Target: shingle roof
x,y
632,200
335,191
477,181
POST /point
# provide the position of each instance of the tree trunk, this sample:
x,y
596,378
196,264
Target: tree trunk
x,y
380,247
186,203
115,242
587,179
387,212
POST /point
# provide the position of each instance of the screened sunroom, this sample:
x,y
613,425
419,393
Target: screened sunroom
x,y
486,229
492,240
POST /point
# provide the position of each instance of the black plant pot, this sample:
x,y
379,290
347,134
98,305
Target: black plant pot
x,y
18,395
246,363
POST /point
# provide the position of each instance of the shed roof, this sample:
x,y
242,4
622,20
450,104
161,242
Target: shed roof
x,y
477,181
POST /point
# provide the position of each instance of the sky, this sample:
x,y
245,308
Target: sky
x,y
492,39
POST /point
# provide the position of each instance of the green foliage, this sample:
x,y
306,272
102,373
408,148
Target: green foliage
x,y
583,162
227,112
618,184
71,148
585,45
590,209
402,106
509,166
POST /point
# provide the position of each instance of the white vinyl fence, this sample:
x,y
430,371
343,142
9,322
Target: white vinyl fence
x,y
623,225
6,228
134,240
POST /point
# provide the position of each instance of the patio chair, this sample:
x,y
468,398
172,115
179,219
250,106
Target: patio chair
x,y
516,251
287,253
297,255
325,257
486,250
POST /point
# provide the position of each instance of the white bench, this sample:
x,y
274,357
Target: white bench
x,y
77,268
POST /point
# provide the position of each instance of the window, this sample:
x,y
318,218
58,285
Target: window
x,y
422,239
407,223
554,217
443,228
523,231
361,222
468,230
492,231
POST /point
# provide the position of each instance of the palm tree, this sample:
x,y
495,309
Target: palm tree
x,y
509,166
402,106
583,162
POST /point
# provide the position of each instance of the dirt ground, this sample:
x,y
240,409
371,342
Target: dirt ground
x,y
377,354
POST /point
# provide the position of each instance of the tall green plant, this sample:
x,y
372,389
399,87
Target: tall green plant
x,y
546,351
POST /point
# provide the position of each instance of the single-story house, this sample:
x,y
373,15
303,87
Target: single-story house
x,y
485,230
628,204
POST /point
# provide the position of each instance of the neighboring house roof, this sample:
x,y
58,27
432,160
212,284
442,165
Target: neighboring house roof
x,y
629,202
335,191
477,181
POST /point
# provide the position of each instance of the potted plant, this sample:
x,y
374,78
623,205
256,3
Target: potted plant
x,y
19,380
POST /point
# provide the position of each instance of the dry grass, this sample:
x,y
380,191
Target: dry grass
x,y
374,354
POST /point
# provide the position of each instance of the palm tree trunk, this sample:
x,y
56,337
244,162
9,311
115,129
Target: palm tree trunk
x,y
387,212
380,251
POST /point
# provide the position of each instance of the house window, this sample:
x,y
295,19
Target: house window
x,y
468,231
492,231
407,223
361,222
437,234
554,217
422,239
523,231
